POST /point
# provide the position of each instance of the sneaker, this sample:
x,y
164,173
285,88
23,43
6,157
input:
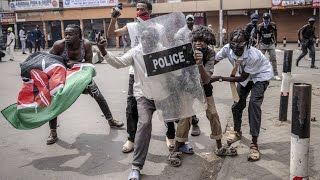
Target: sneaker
x,y
24,53
11,59
115,123
314,67
53,137
195,130
127,147
277,78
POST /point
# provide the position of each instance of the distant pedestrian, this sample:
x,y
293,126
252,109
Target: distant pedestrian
x,y
267,41
308,34
37,35
23,38
43,41
124,42
29,41
49,36
10,43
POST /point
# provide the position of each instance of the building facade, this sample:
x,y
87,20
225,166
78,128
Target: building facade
x,y
57,14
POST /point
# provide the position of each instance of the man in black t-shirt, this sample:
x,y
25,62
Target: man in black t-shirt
x,y
308,34
251,28
267,41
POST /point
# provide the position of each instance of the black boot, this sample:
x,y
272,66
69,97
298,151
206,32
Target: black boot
x,y
53,137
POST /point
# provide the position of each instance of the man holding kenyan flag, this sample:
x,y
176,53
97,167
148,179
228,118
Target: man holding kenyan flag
x,y
52,82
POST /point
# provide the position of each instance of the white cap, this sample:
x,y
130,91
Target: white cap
x,y
189,16
209,25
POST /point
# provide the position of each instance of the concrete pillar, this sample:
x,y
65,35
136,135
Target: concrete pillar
x,y
81,27
45,33
285,85
16,35
62,29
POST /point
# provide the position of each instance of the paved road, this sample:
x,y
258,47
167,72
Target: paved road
x,y
88,149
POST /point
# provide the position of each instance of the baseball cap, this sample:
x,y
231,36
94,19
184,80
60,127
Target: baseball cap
x,y
189,16
9,29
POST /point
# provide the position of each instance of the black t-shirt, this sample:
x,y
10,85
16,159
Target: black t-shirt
x,y
249,28
267,34
307,31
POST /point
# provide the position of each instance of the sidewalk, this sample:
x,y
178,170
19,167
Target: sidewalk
x,y
274,139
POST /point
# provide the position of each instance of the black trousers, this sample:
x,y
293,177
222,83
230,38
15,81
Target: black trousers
x,y
305,45
94,91
132,115
37,46
255,102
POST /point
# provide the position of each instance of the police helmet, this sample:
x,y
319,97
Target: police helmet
x,y
254,16
312,20
266,16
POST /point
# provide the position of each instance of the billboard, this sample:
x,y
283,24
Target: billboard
x,y
290,4
7,18
23,5
88,3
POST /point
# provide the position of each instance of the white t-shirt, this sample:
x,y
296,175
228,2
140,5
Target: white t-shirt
x,y
252,62
22,35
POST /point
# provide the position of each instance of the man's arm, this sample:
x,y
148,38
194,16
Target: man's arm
x,y
275,32
113,32
299,32
205,77
88,49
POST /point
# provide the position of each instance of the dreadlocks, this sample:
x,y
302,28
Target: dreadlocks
x,y
77,28
203,33
240,32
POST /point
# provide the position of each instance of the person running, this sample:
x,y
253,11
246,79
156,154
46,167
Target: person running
x,y
10,44
144,11
255,72
74,49
267,41
308,34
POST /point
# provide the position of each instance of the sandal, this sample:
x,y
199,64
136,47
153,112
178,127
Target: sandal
x,y
174,159
233,137
170,143
226,150
134,175
127,147
186,148
254,153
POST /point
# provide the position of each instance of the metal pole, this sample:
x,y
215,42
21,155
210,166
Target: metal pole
x,y
221,23
285,85
300,131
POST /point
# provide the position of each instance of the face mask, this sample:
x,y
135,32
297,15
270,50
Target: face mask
x,y
238,48
254,22
143,15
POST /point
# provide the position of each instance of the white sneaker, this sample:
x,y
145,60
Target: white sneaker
x,y
277,78
127,147
170,143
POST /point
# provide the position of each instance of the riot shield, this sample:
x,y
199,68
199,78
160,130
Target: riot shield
x,y
173,79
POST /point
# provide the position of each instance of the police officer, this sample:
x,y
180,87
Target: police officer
x,y
267,41
251,28
308,34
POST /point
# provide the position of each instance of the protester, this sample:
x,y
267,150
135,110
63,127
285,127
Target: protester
x,y
74,49
308,35
37,35
29,41
255,72
10,44
202,37
144,10
23,38
267,41
251,28
184,36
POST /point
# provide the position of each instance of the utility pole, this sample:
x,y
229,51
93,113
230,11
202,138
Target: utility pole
x,y
221,23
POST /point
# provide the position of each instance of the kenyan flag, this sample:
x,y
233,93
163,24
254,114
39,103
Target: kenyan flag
x,y
49,88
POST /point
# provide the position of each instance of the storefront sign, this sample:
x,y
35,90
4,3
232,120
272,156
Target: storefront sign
x,y
7,18
288,4
33,4
88,3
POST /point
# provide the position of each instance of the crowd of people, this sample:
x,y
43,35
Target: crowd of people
x,y
245,50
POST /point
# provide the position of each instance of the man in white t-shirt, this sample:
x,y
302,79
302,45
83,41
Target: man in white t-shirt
x,y
10,43
254,71
23,38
